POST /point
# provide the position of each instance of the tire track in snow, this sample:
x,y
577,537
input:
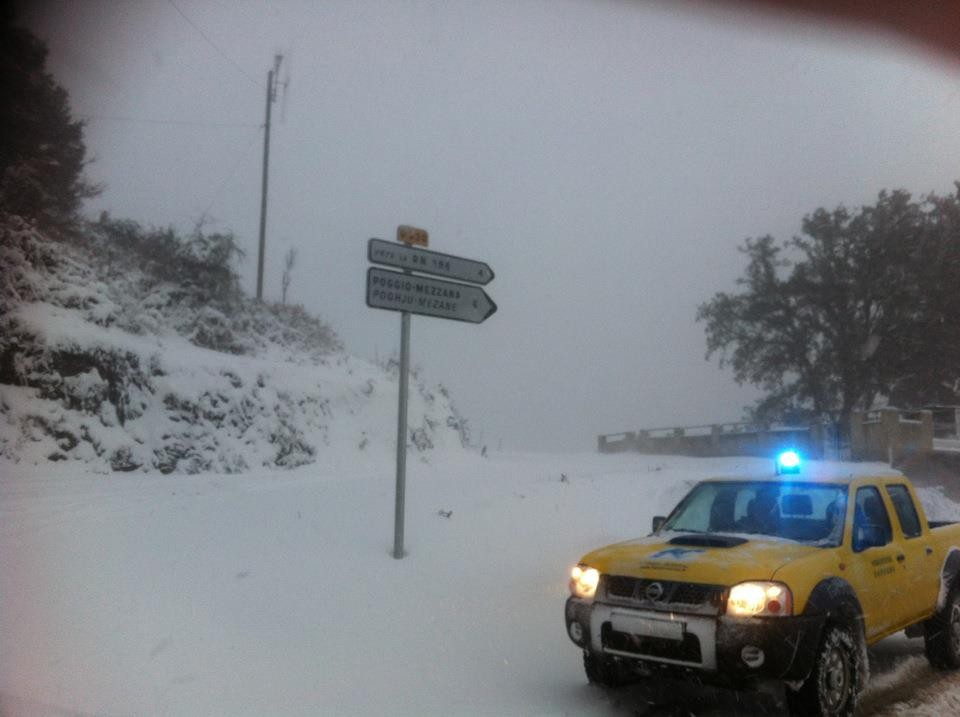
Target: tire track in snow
x,y
914,689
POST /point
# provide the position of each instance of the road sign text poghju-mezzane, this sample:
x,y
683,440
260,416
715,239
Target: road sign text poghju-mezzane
x,y
398,291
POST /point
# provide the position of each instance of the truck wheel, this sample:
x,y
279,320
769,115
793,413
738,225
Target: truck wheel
x,y
833,686
602,670
941,634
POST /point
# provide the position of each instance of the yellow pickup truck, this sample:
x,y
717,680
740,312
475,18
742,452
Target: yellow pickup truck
x,y
786,579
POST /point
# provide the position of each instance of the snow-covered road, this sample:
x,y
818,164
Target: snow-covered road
x,y
276,593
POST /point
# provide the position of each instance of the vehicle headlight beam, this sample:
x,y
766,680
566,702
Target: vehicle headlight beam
x,y
760,599
584,581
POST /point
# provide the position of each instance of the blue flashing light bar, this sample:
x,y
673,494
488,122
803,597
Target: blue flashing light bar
x,y
788,462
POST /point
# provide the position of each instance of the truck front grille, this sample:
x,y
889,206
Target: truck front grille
x,y
664,595
686,650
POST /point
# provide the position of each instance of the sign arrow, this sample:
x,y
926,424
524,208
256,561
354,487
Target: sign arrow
x,y
425,261
397,291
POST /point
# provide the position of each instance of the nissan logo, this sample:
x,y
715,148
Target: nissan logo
x,y
654,592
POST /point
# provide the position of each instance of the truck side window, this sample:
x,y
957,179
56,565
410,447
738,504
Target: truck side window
x,y
871,526
906,511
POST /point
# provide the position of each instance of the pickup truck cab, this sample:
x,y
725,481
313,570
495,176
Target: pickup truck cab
x,y
786,579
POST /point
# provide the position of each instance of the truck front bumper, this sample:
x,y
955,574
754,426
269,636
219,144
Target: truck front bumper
x,y
725,648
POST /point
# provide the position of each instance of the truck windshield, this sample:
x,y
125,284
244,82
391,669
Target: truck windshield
x,y
804,512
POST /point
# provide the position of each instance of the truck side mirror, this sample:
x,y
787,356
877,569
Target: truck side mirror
x,y
658,521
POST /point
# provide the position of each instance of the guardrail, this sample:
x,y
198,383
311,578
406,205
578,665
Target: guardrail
x,y
887,434
717,439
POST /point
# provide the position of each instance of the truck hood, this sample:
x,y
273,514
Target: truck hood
x,y
717,559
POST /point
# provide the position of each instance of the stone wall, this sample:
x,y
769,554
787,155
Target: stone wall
x,y
890,435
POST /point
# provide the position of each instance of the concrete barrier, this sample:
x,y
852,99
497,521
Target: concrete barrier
x,y
616,442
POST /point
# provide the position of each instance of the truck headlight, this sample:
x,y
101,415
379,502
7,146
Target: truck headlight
x,y
760,599
584,581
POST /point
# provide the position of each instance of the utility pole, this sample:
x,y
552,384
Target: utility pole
x,y
272,81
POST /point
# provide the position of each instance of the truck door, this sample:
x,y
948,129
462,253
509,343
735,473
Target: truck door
x,y
920,574
875,565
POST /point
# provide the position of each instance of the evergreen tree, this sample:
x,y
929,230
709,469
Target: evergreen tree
x,y
42,153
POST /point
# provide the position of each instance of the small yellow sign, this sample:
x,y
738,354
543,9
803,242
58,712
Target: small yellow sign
x,y
412,236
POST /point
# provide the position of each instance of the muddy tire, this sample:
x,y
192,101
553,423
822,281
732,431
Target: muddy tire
x,y
941,635
605,671
833,687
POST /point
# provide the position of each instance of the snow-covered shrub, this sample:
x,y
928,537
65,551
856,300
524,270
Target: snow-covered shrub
x,y
85,391
454,420
23,253
292,449
420,438
212,330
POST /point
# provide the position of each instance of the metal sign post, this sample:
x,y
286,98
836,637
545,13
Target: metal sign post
x,y
402,436
409,293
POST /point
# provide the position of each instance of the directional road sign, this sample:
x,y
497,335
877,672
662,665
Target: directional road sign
x,y
398,291
428,262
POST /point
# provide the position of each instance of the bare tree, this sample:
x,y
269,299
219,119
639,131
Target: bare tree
x,y
289,261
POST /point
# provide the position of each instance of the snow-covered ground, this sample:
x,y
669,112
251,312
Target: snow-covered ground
x,y
275,593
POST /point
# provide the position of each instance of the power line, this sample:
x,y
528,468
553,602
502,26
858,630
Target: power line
x,y
146,120
211,42
230,174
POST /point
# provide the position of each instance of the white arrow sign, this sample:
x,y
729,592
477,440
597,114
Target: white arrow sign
x,y
428,262
397,291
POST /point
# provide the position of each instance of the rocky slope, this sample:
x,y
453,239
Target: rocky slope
x,y
133,350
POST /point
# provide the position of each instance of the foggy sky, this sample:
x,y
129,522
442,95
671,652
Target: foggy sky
x,y
605,158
